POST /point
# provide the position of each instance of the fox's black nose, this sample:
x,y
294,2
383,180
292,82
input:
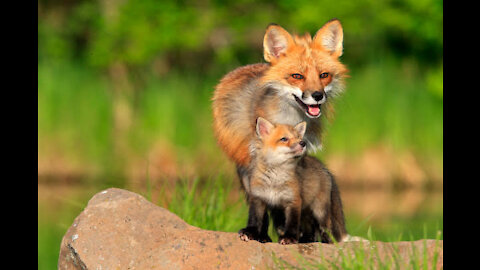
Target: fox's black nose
x,y
302,143
317,95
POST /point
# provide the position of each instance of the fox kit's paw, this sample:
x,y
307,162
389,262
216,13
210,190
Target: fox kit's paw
x,y
287,240
245,237
307,239
264,239
245,234
248,233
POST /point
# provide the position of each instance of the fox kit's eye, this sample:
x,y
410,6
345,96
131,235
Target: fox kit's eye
x,y
297,76
324,75
284,139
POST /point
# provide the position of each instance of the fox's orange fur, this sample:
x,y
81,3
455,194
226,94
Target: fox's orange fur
x,y
302,73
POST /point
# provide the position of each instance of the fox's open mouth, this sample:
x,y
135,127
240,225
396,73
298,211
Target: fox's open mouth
x,y
312,111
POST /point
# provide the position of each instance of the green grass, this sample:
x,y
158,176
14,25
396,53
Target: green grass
x,y
55,216
384,104
49,239
365,255
206,205
74,114
212,204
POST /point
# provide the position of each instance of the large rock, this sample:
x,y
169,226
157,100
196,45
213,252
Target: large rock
x,y
122,230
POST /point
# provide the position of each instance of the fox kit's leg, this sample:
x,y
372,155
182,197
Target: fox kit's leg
x,y
278,217
308,227
321,213
329,214
325,228
244,176
257,223
292,223
337,218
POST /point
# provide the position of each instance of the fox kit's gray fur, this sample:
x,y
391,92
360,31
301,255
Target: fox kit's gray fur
x,y
299,191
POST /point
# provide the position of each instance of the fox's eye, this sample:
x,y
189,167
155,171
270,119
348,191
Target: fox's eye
x,y
284,139
297,76
324,75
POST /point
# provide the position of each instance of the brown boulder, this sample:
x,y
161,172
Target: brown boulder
x,y
122,230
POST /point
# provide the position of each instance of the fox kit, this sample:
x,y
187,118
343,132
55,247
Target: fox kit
x,y
298,190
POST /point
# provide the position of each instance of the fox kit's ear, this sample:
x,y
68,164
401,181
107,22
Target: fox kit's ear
x,y
330,38
263,127
301,128
275,42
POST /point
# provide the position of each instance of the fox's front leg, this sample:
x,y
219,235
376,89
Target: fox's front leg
x,y
292,224
257,225
244,176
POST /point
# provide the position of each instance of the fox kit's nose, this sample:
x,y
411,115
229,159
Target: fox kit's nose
x,y
302,143
317,95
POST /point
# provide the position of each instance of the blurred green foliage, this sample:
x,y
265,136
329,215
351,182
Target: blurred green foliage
x,y
117,75
192,33
163,58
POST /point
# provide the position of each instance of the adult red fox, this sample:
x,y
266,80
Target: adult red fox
x,y
302,73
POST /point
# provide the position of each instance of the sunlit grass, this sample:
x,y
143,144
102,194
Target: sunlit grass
x,y
366,255
74,114
383,105
54,219
206,205
213,204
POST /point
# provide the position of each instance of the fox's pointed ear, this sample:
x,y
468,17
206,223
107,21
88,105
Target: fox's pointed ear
x,y
276,42
263,127
301,128
330,38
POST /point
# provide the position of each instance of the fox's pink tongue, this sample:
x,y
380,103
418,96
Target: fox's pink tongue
x,y
313,110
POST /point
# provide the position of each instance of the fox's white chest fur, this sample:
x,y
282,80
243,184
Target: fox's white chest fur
x,y
273,189
273,196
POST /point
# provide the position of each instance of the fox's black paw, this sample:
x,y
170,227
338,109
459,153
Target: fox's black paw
x,y
325,238
307,238
287,240
264,239
247,234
